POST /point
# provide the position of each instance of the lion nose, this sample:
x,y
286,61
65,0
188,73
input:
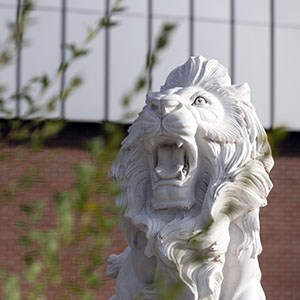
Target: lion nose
x,y
164,106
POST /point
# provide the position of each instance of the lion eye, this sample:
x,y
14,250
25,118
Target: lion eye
x,y
200,101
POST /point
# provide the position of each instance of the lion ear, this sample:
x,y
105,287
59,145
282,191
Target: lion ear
x,y
242,92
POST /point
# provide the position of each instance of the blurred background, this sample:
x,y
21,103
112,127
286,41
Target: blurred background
x,y
258,41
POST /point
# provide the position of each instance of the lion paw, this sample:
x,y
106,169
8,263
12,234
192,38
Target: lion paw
x,y
115,263
113,266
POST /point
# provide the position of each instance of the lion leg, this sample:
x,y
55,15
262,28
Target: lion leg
x,y
127,281
133,269
143,265
241,273
254,291
115,263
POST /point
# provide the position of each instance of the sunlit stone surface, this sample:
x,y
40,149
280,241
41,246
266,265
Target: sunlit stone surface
x,y
194,173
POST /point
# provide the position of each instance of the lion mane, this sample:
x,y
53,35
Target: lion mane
x,y
202,227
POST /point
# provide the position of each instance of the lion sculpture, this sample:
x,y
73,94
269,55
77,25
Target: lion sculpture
x,y
193,172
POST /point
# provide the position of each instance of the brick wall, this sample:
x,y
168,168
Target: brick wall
x,y
280,225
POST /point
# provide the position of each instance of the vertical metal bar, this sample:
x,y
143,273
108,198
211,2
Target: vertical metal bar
x,y
232,40
106,64
191,29
149,38
18,61
63,54
272,63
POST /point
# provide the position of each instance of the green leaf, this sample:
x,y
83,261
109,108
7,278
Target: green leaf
x,y
77,52
92,278
106,22
168,27
97,260
95,146
8,193
126,100
151,61
118,9
36,139
28,99
4,155
85,176
21,134
230,209
27,7
36,217
76,81
114,189
162,42
27,209
26,181
3,274
28,259
33,271
21,225
141,83
208,225
45,81
275,137
11,289
25,241
5,57
87,295
51,103
75,288
63,67
163,38
64,206
52,128
91,34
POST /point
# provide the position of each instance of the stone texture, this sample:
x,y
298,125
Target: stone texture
x,y
194,174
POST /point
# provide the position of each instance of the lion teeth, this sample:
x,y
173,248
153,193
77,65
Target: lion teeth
x,y
182,174
179,144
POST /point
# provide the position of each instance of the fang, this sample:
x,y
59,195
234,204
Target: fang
x,y
179,144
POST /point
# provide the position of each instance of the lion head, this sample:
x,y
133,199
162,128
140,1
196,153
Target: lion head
x,y
196,148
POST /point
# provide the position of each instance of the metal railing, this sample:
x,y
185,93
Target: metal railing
x,y
64,8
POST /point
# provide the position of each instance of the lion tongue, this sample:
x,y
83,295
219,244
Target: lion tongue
x,y
170,161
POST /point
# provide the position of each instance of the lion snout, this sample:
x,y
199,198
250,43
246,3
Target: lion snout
x,y
171,116
164,106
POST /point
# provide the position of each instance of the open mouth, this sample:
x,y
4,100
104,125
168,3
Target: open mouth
x,y
172,161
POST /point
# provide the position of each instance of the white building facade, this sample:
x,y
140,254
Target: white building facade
x,y
258,40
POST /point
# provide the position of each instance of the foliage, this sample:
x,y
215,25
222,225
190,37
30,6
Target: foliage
x,y
275,137
34,92
84,214
84,220
144,78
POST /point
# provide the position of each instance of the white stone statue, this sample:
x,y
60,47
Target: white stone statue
x,y
194,173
